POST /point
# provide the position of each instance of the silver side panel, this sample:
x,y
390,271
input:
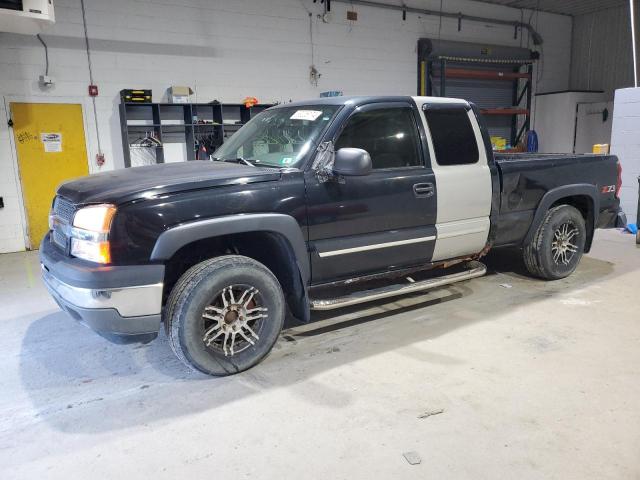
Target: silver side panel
x,y
463,194
460,238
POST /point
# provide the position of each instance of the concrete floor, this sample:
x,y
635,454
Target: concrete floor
x,y
539,380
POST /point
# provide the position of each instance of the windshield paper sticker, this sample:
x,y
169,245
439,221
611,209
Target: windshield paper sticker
x,y
260,148
306,115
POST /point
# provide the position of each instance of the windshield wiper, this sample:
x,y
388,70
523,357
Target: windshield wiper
x,y
236,160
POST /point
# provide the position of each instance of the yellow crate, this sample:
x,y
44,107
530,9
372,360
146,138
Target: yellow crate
x,y
498,143
601,148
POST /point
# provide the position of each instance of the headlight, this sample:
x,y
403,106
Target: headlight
x,y
96,218
89,235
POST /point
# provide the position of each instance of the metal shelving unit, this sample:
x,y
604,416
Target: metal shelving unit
x,y
515,71
497,78
153,127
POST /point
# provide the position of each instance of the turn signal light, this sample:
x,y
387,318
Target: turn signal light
x,y
99,252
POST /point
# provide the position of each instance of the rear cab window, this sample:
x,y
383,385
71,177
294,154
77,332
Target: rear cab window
x,y
454,140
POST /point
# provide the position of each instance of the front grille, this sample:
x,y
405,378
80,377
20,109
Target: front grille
x,y
59,239
64,209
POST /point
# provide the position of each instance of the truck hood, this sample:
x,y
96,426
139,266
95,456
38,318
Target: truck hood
x,y
124,185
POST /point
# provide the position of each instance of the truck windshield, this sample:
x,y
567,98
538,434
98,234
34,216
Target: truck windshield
x,y
280,137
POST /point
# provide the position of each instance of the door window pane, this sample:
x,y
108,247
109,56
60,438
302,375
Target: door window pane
x,y
388,134
454,140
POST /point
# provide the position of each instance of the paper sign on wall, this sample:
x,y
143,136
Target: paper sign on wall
x,y
52,142
305,115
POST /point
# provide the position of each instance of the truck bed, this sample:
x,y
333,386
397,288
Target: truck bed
x,y
525,178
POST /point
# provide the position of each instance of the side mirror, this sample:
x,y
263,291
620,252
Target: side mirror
x,y
352,162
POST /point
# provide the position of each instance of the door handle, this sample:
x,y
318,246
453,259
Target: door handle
x,y
423,189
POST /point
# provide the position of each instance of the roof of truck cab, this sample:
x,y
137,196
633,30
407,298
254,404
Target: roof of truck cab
x,y
361,100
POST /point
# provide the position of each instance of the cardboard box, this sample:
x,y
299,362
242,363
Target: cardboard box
x,y
180,94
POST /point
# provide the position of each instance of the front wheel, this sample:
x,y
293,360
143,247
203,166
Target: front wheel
x,y
224,315
558,244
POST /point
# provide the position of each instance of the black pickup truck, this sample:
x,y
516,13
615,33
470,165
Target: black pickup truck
x,y
370,197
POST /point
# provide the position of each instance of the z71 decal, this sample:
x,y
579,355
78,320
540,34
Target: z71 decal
x,y
608,189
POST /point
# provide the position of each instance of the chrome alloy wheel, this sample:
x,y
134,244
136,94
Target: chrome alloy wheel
x,y
232,322
563,245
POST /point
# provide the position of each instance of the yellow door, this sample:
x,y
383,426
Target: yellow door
x,y
49,140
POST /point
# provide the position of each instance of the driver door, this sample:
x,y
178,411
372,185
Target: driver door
x,y
381,221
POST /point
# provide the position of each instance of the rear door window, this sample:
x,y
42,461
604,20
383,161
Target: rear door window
x,y
454,140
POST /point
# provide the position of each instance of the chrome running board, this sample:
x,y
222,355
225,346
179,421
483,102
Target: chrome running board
x,y
474,269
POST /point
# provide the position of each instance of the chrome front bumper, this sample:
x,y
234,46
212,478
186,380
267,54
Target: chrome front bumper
x,y
121,315
133,301
123,303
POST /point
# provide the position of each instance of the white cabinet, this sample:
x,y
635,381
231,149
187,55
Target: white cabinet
x,y
593,125
30,19
555,118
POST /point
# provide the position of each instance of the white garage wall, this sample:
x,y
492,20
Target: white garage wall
x,y
227,50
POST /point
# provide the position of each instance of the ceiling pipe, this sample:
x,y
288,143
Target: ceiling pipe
x,y
535,36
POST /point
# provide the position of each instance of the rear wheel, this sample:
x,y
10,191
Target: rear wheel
x,y
558,244
224,315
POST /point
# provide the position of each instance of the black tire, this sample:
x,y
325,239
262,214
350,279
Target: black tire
x,y
205,284
542,257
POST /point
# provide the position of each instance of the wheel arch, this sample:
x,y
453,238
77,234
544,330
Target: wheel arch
x,y
583,197
276,240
